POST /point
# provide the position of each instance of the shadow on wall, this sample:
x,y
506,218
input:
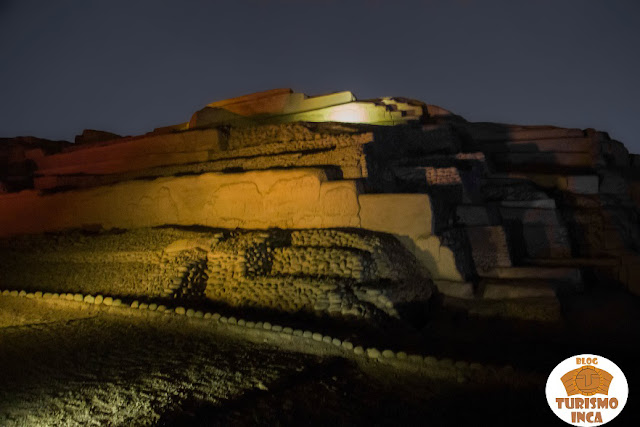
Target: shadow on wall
x,y
562,194
504,195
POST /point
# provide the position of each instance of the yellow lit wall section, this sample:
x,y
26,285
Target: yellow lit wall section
x,y
349,114
285,106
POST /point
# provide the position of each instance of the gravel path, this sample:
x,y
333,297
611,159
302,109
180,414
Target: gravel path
x,y
72,368
72,364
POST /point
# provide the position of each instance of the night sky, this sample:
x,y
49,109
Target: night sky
x,y
130,66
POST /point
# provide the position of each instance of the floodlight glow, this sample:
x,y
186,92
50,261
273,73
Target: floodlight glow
x,y
349,114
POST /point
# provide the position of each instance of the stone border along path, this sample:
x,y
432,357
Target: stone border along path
x,y
443,368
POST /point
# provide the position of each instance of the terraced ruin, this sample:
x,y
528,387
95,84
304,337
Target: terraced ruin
x,y
371,227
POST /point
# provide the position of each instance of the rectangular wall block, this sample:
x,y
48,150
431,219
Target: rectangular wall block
x,y
287,199
132,153
400,214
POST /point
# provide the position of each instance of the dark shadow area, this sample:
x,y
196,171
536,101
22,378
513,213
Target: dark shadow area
x,y
194,413
68,355
339,394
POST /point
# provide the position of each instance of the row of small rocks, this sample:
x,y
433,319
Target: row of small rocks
x,y
184,275
313,261
239,241
378,298
294,294
90,299
285,294
369,352
242,268
339,301
376,265
89,256
335,238
258,260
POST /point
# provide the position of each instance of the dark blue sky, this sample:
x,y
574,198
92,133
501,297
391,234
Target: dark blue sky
x,y
130,66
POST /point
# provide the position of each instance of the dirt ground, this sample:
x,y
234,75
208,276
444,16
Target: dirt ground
x,y
64,363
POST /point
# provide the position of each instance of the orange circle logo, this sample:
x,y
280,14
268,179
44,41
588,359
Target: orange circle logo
x,y
587,389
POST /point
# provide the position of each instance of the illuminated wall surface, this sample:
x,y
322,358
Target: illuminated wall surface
x,y
285,106
467,202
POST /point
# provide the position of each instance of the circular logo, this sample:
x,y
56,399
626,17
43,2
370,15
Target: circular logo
x,y
587,389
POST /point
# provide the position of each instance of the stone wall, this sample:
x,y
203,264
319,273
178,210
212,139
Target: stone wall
x,y
468,201
357,274
125,154
300,198
286,199
204,150
579,208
